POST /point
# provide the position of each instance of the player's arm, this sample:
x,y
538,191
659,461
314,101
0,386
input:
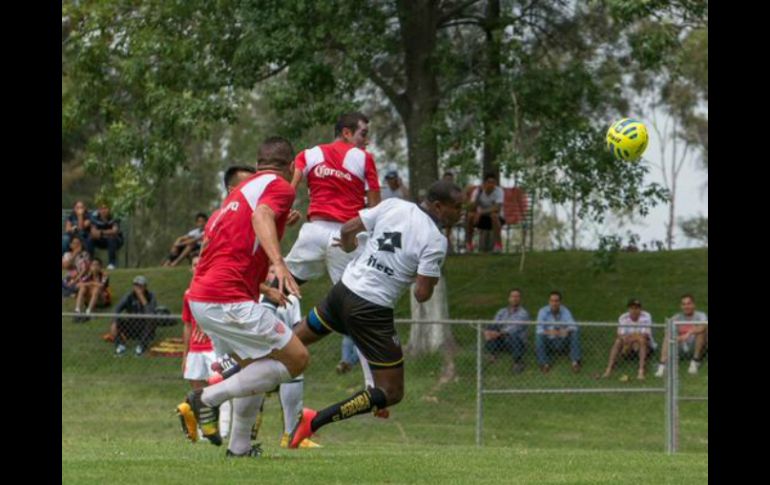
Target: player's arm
x,y
263,221
296,178
423,288
348,232
186,339
373,197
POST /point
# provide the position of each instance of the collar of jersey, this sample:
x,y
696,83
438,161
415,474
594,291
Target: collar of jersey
x,y
432,217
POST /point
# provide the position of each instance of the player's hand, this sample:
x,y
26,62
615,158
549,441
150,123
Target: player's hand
x,y
337,243
294,217
275,295
286,280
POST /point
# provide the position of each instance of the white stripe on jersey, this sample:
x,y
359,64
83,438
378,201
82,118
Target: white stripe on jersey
x,y
355,163
313,156
253,190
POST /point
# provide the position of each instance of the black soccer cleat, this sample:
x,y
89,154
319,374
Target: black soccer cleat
x,y
254,452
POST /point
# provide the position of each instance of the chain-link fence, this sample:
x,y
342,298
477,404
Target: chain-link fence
x,y
524,386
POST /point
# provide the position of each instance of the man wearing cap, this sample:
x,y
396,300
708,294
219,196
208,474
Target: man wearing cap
x,y
139,301
634,335
393,187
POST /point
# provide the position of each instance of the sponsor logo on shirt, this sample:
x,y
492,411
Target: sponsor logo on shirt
x,y
322,171
389,241
373,263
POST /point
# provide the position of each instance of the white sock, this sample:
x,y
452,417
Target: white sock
x,y
258,377
368,379
291,402
225,414
245,411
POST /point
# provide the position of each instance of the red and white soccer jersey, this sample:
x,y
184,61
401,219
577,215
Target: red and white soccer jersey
x,y
232,264
338,175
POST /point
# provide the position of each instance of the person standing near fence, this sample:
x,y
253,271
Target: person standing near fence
x,y
692,339
553,336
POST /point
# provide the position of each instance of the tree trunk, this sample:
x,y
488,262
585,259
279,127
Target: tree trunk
x,y
491,149
419,26
430,338
574,222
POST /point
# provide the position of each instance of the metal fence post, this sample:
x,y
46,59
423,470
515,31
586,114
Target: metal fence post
x,y
671,388
479,386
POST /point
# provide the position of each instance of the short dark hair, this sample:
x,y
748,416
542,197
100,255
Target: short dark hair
x,y
275,151
490,175
449,174
201,214
231,172
555,292
687,295
514,289
349,121
443,191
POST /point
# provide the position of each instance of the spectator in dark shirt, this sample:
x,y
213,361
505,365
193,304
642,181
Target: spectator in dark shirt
x,y
138,301
105,234
77,224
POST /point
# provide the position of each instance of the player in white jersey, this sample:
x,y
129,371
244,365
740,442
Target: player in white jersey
x,y
404,245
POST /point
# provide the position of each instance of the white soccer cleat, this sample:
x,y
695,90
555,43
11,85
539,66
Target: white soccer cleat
x,y
694,366
661,370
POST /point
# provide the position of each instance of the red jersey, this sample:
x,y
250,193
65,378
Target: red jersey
x,y
338,175
232,262
199,341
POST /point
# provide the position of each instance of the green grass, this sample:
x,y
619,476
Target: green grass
x,y
118,425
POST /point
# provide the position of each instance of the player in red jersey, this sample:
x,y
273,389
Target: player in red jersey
x,y
340,176
242,242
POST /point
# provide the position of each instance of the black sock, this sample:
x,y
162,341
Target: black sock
x,y
359,403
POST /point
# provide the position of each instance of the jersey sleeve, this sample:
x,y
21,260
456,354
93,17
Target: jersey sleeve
x,y
370,173
369,215
300,162
432,258
279,196
186,313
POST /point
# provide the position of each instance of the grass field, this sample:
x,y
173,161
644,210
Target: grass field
x,y
118,425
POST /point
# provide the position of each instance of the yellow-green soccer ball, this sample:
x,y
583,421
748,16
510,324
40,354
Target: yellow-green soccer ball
x,y
627,139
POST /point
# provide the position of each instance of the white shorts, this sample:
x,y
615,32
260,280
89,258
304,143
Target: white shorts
x,y
246,329
198,365
313,252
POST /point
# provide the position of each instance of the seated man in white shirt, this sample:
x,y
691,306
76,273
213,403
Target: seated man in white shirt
x,y
485,212
184,246
634,336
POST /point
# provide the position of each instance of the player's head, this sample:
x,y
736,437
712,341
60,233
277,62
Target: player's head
x,y
514,297
200,219
79,205
276,153
554,301
490,182
445,201
353,128
448,177
687,304
236,174
634,308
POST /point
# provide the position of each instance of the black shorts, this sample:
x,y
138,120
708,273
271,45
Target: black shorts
x,y
485,222
370,326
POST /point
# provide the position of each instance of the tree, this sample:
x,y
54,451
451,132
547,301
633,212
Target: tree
x,y
696,228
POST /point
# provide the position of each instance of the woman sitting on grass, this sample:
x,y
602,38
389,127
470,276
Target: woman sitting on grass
x,y
94,287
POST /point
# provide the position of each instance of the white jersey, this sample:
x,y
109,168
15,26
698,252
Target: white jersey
x,y
403,242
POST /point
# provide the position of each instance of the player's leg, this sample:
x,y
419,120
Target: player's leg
x,y
245,410
497,231
643,342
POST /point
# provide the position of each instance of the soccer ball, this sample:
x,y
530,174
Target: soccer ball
x,y
627,139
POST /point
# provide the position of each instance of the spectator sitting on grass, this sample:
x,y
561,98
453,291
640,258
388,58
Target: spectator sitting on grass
x,y
509,336
188,244
75,262
94,287
692,339
138,301
553,338
105,234
634,336
77,224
